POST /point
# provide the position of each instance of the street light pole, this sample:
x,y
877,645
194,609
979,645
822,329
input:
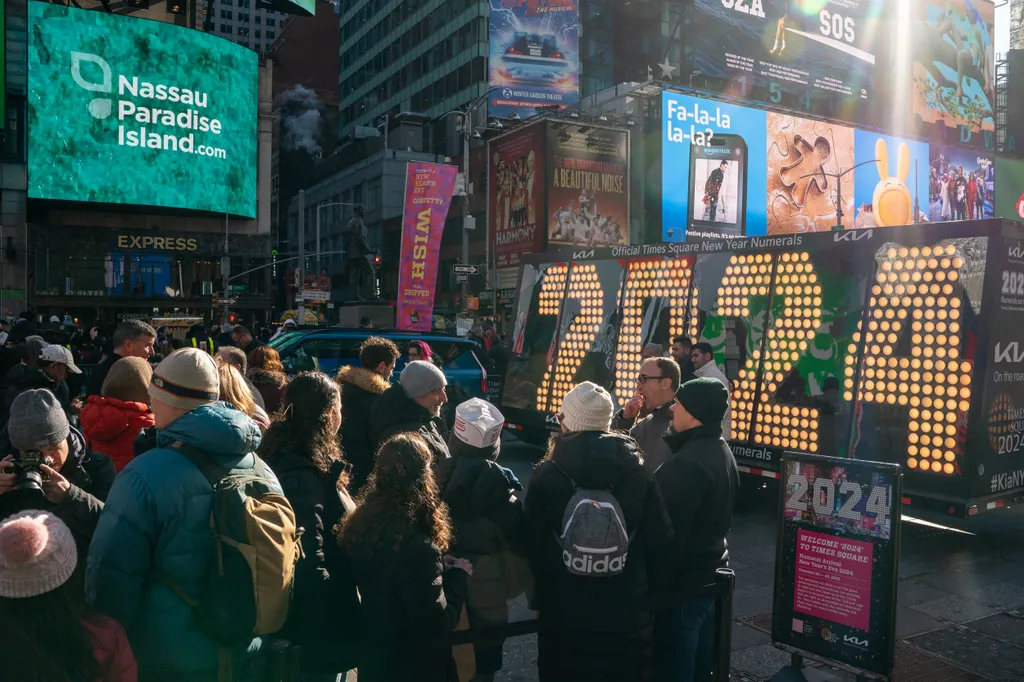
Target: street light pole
x,y
467,128
302,255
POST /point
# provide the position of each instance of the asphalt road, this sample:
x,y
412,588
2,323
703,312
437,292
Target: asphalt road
x,y
960,604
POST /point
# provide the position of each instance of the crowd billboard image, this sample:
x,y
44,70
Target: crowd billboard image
x,y
953,70
729,170
516,196
588,185
1009,189
825,46
534,55
130,111
961,184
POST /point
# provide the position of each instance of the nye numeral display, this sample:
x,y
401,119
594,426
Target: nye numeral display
x,y
579,337
645,280
777,425
916,286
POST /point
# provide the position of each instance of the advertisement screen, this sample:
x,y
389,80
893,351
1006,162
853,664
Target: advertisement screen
x,y
961,185
837,560
588,185
130,111
823,46
1009,189
953,70
730,170
892,183
534,55
516,197
302,8
1002,448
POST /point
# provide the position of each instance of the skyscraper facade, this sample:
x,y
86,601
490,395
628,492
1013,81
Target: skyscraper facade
x,y
425,56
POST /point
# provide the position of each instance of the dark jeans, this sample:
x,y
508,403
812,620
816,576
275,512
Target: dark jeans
x,y
684,641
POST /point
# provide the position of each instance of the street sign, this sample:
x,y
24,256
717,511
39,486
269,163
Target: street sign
x,y
313,295
238,287
466,269
461,278
228,301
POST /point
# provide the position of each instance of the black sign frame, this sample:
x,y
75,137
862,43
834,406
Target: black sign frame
x,y
867,651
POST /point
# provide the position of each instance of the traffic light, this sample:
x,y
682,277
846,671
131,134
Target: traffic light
x,y
376,262
216,300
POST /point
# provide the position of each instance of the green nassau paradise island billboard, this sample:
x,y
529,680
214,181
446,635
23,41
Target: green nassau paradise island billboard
x,y
132,111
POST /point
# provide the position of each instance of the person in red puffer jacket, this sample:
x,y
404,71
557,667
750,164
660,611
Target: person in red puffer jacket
x,y
112,420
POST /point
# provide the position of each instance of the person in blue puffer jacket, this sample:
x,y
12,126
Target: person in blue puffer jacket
x,y
155,527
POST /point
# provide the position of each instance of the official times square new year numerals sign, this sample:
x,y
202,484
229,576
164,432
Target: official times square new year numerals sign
x,y
837,560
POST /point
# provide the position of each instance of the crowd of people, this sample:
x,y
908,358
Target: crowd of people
x,y
210,518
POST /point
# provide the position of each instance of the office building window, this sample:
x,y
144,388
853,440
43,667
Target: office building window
x,y
226,14
259,19
258,34
270,35
224,28
271,21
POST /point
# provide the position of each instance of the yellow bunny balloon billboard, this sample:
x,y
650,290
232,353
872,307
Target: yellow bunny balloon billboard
x,y
887,193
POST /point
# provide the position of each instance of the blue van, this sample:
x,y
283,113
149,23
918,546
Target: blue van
x,y
328,349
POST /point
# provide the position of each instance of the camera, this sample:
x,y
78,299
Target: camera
x,y
29,477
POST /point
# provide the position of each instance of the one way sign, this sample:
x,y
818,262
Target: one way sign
x,y
466,269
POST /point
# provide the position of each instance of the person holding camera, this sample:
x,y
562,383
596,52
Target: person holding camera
x,y
45,464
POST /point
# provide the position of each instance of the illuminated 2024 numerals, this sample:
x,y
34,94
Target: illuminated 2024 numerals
x,y
822,498
666,279
584,287
777,425
916,286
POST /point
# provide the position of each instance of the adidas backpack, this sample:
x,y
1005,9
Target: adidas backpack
x,y
249,578
594,540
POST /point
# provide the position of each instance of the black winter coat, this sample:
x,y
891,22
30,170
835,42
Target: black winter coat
x,y
21,378
490,531
699,484
360,387
600,627
324,614
410,604
99,374
90,474
394,412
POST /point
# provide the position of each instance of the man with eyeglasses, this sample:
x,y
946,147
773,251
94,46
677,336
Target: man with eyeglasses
x,y
655,390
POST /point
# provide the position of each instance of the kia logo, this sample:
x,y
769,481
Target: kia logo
x,y
851,236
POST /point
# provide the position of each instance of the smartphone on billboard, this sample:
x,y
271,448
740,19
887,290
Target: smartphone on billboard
x,y
718,187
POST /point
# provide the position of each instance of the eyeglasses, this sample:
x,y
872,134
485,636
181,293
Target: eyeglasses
x,y
643,378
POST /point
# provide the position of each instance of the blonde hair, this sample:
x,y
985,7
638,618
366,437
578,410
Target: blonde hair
x,y
233,388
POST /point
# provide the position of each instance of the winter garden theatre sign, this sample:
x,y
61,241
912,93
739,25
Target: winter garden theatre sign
x,y
132,111
837,560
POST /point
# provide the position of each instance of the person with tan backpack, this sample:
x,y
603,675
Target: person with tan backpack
x,y
196,549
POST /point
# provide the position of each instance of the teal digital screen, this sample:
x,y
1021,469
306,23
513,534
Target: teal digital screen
x,y
124,110
302,8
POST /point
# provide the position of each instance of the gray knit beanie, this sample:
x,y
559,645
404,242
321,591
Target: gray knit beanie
x,y
37,421
420,378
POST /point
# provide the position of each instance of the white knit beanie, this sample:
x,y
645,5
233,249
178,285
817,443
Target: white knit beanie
x,y
37,554
587,407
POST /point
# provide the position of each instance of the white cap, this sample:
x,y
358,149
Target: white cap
x,y
54,318
55,353
478,423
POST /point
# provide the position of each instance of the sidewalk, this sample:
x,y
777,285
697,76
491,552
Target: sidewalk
x,y
960,601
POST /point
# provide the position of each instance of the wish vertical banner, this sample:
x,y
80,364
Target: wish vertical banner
x,y
428,193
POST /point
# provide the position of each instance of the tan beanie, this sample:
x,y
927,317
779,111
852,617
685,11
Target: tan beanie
x,y
587,407
128,380
186,379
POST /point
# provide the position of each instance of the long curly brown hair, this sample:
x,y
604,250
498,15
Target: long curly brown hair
x,y
303,424
265,358
400,498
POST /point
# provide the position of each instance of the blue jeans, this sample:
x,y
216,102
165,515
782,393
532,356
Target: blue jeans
x,y
684,641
